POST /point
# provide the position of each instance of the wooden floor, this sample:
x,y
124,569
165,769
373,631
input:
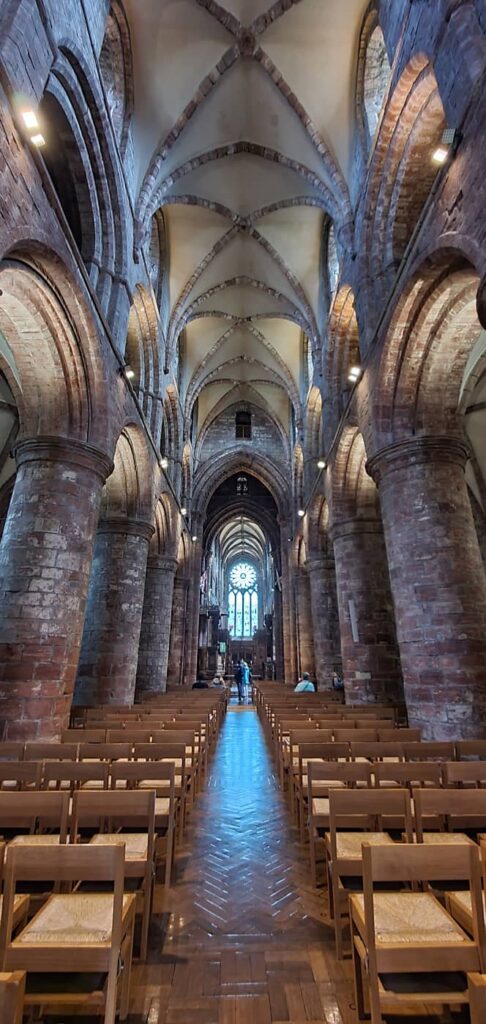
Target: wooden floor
x,y
241,938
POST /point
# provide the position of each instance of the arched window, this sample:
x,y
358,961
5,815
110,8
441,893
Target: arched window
x,y
242,601
376,76
332,262
243,425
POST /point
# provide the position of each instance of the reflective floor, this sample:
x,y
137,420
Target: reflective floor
x,y
240,938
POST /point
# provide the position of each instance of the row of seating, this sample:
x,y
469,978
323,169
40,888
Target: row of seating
x,y
110,814
386,819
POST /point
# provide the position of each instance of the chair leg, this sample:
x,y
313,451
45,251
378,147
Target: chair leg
x,y
338,925
126,956
359,995
313,855
169,853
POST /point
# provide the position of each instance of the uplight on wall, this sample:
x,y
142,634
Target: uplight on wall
x,y
354,374
127,371
321,464
38,140
183,511
301,513
449,142
30,120
194,539
164,463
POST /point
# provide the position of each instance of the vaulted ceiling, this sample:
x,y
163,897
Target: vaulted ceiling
x,y
243,135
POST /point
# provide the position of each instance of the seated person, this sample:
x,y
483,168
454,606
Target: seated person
x,y
200,683
305,685
218,681
337,681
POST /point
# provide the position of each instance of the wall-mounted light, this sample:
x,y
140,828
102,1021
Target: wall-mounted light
x,y
194,539
449,142
354,374
301,512
30,119
38,140
164,463
321,464
183,511
126,371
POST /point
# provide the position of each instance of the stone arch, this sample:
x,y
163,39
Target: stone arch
x,y
143,355
128,492
431,333
115,62
353,494
157,259
341,353
210,475
81,160
402,171
50,350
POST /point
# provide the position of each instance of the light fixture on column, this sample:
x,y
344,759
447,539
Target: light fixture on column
x,y
183,511
301,513
449,142
38,140
30,119
126,371
164,462
321,464
194,538
354,374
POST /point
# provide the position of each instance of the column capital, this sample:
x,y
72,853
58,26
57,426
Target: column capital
x,y
65,450
351,527
320,563
417,450
126,525
162,563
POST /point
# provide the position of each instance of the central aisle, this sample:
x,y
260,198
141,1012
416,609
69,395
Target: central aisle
x,y
240,938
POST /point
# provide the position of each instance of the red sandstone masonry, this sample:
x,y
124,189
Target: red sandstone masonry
x,y
153,655
45,561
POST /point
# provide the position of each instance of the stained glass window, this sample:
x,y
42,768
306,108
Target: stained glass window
x,y
242,600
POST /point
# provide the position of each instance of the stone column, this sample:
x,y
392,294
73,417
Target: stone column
x,y
153,653
370,660
178,632
192,615
288,620
325,619
304,622
278,635
45,562
109,653
438,581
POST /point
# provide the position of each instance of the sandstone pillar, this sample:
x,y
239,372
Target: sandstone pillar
x,y
325,620
288,619
178,632
45,562
278,635
109,653
153,653
192,615
438,582
303,613
370,660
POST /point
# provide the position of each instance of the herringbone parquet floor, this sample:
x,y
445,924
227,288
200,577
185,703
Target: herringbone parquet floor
x,y
241,937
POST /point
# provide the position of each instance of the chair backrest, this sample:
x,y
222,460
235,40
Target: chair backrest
x,y
369,808
130,734
429,750
354,735
75,773
135,772
22,774
376,750
447,804
470,748
160,751
401,735
11,751
459,773
12,992
83,735
35,810
407,773
35,751
112,809
65,863
325,750
105,751
347,772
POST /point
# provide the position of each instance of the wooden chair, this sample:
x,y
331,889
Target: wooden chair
x,y
321,777
130,734
402,735
430,750
376,750
308,753
20,775
20,905
83,735
157,776
74,933
477,997
410,933
42,817
172,753
473,749
12,991
105,751
72,775
348,735
450,809
365,810
114,812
